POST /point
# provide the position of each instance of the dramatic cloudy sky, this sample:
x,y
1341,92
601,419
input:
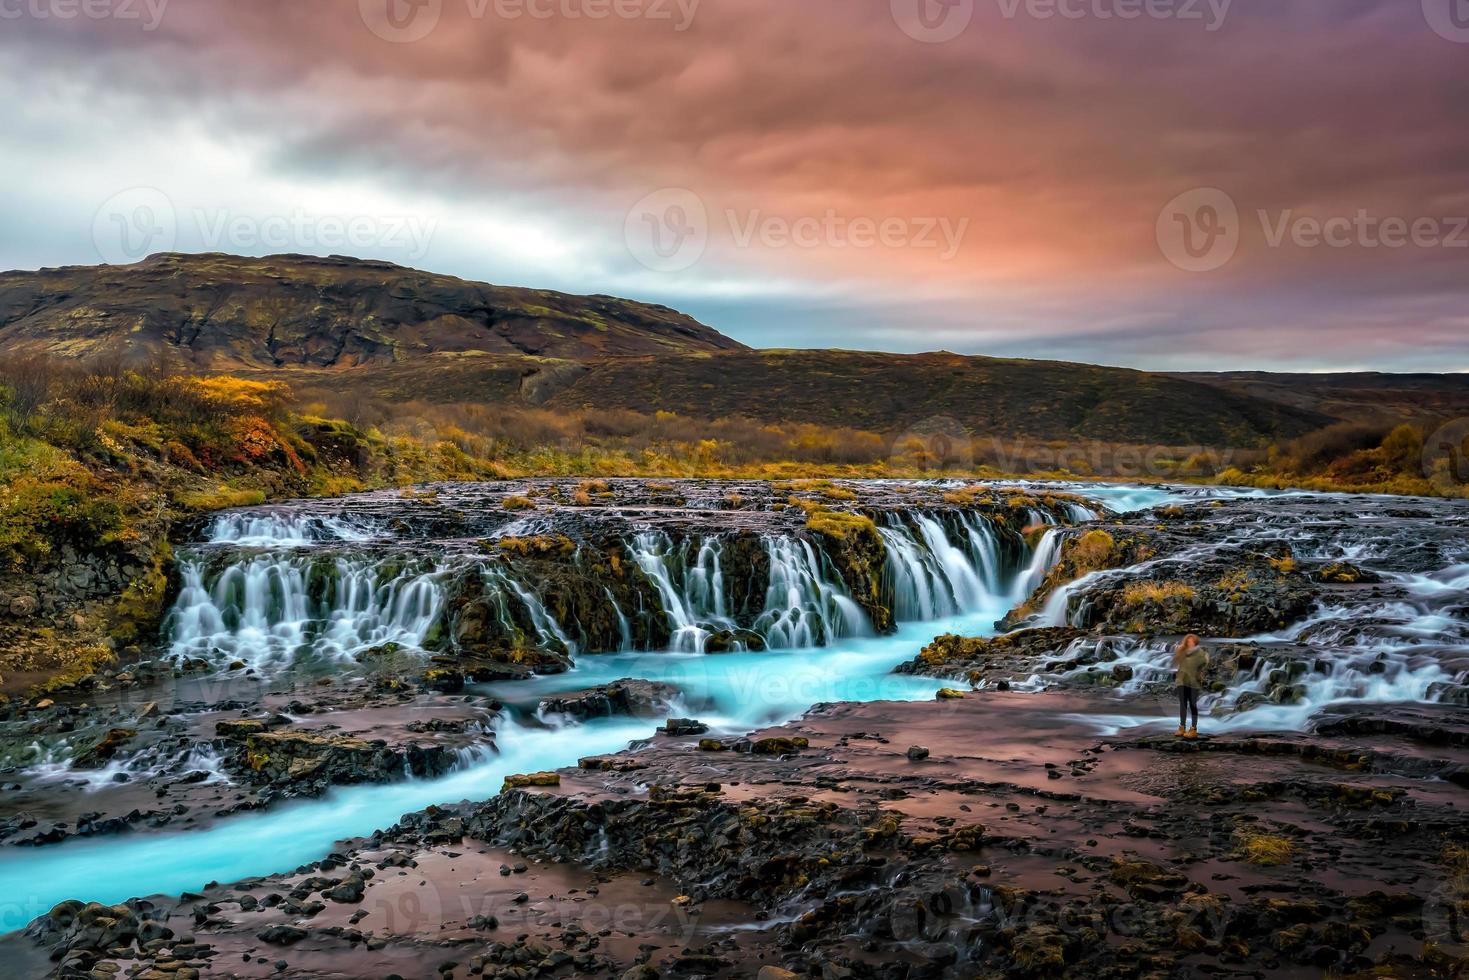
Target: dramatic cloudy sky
x,y
1162,183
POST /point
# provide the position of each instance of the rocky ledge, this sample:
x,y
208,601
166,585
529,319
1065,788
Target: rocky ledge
x,y
997,834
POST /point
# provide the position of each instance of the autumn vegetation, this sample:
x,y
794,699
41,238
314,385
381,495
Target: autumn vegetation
x,y
87,451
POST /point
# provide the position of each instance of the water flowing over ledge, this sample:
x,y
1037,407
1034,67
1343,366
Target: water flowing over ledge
x,y
747,612
270,588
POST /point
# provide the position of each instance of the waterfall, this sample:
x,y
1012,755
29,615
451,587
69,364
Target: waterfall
x,y
947,565
268,610
691,594
547,629
284,530
1046,553
803,608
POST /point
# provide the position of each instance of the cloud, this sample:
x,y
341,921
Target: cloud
x,y
1047,145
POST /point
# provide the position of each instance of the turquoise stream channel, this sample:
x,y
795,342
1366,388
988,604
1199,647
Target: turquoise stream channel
x,y
733,693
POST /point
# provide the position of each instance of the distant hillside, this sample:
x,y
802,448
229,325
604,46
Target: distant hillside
x,y
339,326
989,396
222,312
1360,396
883,393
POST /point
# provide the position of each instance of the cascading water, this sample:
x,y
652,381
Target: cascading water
x,y
1042,560
945,565
803,606
269,610
957,573
284,530
280,599
690,593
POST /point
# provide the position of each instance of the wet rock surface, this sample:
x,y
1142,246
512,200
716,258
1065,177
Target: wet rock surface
x,y
187,751
630,696
1025,844
1038,818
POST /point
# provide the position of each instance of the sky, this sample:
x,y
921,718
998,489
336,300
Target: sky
x,y
1165,184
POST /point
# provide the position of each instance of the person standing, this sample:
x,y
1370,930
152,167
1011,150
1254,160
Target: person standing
x,y
1189,660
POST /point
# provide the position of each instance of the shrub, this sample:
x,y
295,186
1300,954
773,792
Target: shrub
x,y
1265,850
1137,593
1093,551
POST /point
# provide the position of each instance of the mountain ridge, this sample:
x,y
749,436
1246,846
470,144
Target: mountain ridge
x,y
398,334
221,312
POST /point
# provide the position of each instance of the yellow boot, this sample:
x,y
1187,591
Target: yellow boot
x,y
1191,733
1181,731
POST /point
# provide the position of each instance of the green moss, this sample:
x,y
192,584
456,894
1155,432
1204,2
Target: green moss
x,y
81,662
220,498
840,525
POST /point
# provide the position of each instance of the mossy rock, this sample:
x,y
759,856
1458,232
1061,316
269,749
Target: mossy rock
x,y
779,745
523,780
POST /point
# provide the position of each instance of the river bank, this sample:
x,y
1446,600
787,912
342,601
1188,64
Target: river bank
x,y
1000,805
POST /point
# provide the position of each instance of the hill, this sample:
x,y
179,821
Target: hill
x,y
340,329
1356,397
224,312
873,392
889,392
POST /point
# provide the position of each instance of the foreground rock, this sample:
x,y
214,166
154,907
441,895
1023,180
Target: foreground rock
x,y
1024,844
629,696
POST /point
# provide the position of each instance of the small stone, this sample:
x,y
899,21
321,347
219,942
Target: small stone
x,y
917,753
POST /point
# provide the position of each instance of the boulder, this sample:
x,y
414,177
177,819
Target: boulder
x,y
638,698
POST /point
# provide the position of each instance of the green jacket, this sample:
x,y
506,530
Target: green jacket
x,y
1191,667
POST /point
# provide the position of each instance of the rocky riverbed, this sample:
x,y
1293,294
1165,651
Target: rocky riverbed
x,y
701,729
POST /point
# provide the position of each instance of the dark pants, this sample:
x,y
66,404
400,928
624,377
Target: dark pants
x,y
1188,700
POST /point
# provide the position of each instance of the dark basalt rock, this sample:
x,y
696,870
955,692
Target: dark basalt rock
x,y
301,763
98,754
630,696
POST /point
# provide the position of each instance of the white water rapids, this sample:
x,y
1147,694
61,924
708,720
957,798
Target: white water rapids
x,y
279,603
